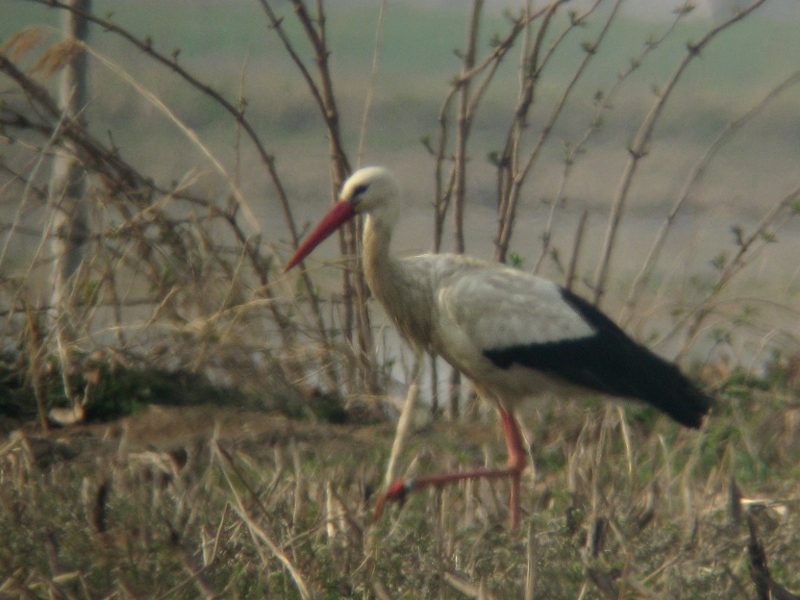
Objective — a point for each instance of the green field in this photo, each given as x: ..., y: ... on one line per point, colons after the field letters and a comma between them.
x: 417, y: 61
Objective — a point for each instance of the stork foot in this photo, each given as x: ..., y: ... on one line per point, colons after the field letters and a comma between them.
x: 399, y: 490
x: 396, y: 492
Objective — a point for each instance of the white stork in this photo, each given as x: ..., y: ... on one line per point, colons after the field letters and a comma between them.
x: 513, y: 334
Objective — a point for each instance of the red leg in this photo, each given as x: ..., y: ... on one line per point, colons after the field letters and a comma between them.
x: 516, y: 461
x: 514, y: 467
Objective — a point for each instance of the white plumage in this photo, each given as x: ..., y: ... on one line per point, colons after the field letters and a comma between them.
x: 513, y: 334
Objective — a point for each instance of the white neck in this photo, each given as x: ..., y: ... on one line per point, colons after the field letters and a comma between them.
x: 401, y: 292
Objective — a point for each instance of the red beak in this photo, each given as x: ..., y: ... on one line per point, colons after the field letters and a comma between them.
x: 339, y: 214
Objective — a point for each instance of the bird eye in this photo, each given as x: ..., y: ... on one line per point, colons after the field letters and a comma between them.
x: 360, y: 190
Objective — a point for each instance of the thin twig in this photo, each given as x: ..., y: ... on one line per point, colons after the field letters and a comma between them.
x: 640, y: 147
x: 604, y: 104
x: 692, y: 181
x: 515, y: 169
x: 373, y: 78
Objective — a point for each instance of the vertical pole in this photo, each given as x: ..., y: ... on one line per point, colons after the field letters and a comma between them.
x: 69, y: 229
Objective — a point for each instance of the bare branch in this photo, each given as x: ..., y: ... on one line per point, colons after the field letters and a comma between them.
x: 639, y: 147
x: 604, y: 103
x: 513, y: 170
x: 692, y: 181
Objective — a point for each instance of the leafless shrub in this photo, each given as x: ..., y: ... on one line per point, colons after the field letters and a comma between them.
x: 162, y: 263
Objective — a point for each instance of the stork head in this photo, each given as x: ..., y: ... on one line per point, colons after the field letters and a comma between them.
x: 371, y: 190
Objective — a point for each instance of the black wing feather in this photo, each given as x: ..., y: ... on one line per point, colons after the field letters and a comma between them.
x: 611, y: 363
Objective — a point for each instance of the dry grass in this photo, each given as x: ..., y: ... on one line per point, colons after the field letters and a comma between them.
x: 214, y: 503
